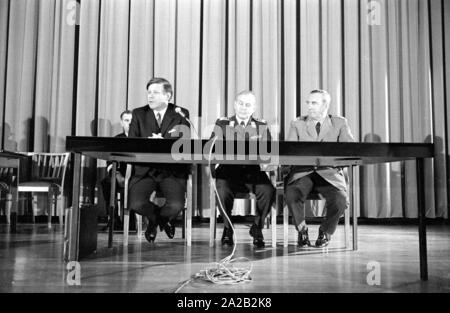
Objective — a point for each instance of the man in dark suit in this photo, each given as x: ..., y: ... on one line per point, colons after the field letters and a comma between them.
x: 157, y: 120
x: 125, y: 120
x: 328, y: 181
x: 231, y: 179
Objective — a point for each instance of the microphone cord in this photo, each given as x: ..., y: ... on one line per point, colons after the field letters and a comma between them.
x: 179, y: 111
x: 192, y: 125
x: 223, y: 272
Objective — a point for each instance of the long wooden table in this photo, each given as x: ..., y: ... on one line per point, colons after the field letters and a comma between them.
x: 142, y: 150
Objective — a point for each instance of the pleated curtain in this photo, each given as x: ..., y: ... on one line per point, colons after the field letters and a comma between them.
x: 71, y: 67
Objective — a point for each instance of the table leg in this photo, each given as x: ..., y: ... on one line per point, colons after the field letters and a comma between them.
x: 422, y: 222
x: 354, y: 211
x: 74, y: 225
x: 112, y: 201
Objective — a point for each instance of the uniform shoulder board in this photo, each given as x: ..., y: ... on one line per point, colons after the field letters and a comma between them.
x: 260, y: 120
x: 336, y: 117
x: 223, y: 121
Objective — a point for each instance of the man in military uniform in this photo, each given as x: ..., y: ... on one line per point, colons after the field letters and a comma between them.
x: 328, y: 181
x: 231, y: 179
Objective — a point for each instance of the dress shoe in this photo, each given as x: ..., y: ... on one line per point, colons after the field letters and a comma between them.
x: 258, y: 238
x: 323, y: 239
x: 150, y: 232
x: 227, y: 236
x: 303, y: 238
x: 169, y: 228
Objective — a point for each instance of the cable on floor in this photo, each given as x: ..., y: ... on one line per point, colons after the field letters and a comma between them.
x: 226, y: 271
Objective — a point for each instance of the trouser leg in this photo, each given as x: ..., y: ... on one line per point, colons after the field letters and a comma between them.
x: 174, y: 190
x: 336, y: 201
x: 226, y: 196
x: 295, y: 195
x: 265, y: 196
x: 139, y: 194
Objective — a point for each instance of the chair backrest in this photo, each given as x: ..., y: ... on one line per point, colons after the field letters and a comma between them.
x: 49, y: 167
x: 6, y: 174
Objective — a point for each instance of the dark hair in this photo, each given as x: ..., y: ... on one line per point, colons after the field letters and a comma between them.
x: 124, y: 112
x: 159, y: 80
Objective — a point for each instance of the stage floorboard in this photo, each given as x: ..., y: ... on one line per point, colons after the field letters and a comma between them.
x: 31, y: 261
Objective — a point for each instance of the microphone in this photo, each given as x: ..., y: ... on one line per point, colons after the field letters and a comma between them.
x: 179, y: 111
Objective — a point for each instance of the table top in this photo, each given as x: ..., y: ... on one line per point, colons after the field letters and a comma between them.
x: 197, y: 151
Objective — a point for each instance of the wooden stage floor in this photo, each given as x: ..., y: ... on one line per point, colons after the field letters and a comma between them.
x: 30, y: 261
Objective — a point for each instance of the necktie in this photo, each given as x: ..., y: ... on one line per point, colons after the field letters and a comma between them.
x: 318, y: 128
x: 243, y: 124
x: 158, y: 119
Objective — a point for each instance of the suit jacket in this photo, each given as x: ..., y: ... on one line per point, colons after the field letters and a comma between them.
x: 255, y: 129
x: 333, y: 128
x: 144, y: 124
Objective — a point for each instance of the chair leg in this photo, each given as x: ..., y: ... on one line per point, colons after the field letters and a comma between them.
x: 138, y: 225
x: 183, y: 228
x: 119, y: 205
x: 61, y: 208
x: 49, y: 208
x: 188, y: 214
x: 8, y: 206
x: 212, y: 217
x: 189, y: 227
x: 347, y: 228
x: 34, y: 208
x: 274, y: 225
x: 126, y: 226
x: 285, y: 225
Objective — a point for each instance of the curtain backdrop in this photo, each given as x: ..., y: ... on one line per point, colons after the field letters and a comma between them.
x: 71, y: 67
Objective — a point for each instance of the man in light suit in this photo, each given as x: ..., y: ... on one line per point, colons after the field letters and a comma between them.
x: 328, y: 181
x: 159, y: 120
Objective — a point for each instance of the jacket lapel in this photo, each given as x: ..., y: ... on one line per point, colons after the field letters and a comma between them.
x: 168, y: 118
x: 311, y: 129
x: 151, y: 120
x: 324, y: 128
x: 233, y: 121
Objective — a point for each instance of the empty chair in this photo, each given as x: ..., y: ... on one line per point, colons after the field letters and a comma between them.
x: 48, y: 171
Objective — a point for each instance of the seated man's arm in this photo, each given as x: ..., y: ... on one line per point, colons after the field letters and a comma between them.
x: 134, y: 126
x: 345, y: 134
x: 292, y: 136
